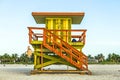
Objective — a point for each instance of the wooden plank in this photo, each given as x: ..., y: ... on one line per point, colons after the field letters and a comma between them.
x: 60, y: 72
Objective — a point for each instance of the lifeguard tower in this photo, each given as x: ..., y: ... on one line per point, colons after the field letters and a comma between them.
x: 57, y: 42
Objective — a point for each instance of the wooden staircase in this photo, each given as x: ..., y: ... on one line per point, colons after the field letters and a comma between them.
x: 64, y: 50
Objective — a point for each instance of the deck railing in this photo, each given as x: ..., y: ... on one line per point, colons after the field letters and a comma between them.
x: 36, y: 33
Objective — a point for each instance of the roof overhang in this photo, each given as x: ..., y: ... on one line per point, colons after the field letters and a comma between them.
x: 41, y: 16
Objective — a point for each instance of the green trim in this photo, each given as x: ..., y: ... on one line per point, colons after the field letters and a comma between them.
x: 36, y: 42
x: 76, y: 43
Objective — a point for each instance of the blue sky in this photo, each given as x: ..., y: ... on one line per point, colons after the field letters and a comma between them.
x: 102, y: 21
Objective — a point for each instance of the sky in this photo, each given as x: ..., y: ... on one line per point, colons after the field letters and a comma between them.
x: 102, y: 21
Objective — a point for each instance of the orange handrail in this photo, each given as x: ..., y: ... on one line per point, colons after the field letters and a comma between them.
x: 32, y: 34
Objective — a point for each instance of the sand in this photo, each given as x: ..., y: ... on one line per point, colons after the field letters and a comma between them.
x: 22, y: 72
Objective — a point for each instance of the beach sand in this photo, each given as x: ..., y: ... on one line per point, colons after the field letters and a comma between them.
x: 22, y: 72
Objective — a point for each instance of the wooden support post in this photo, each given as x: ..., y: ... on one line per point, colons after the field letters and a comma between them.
x: 41, y: 57
x: 35, y: 58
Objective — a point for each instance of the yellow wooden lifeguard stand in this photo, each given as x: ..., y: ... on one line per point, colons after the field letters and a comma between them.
x: 57, y: 42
